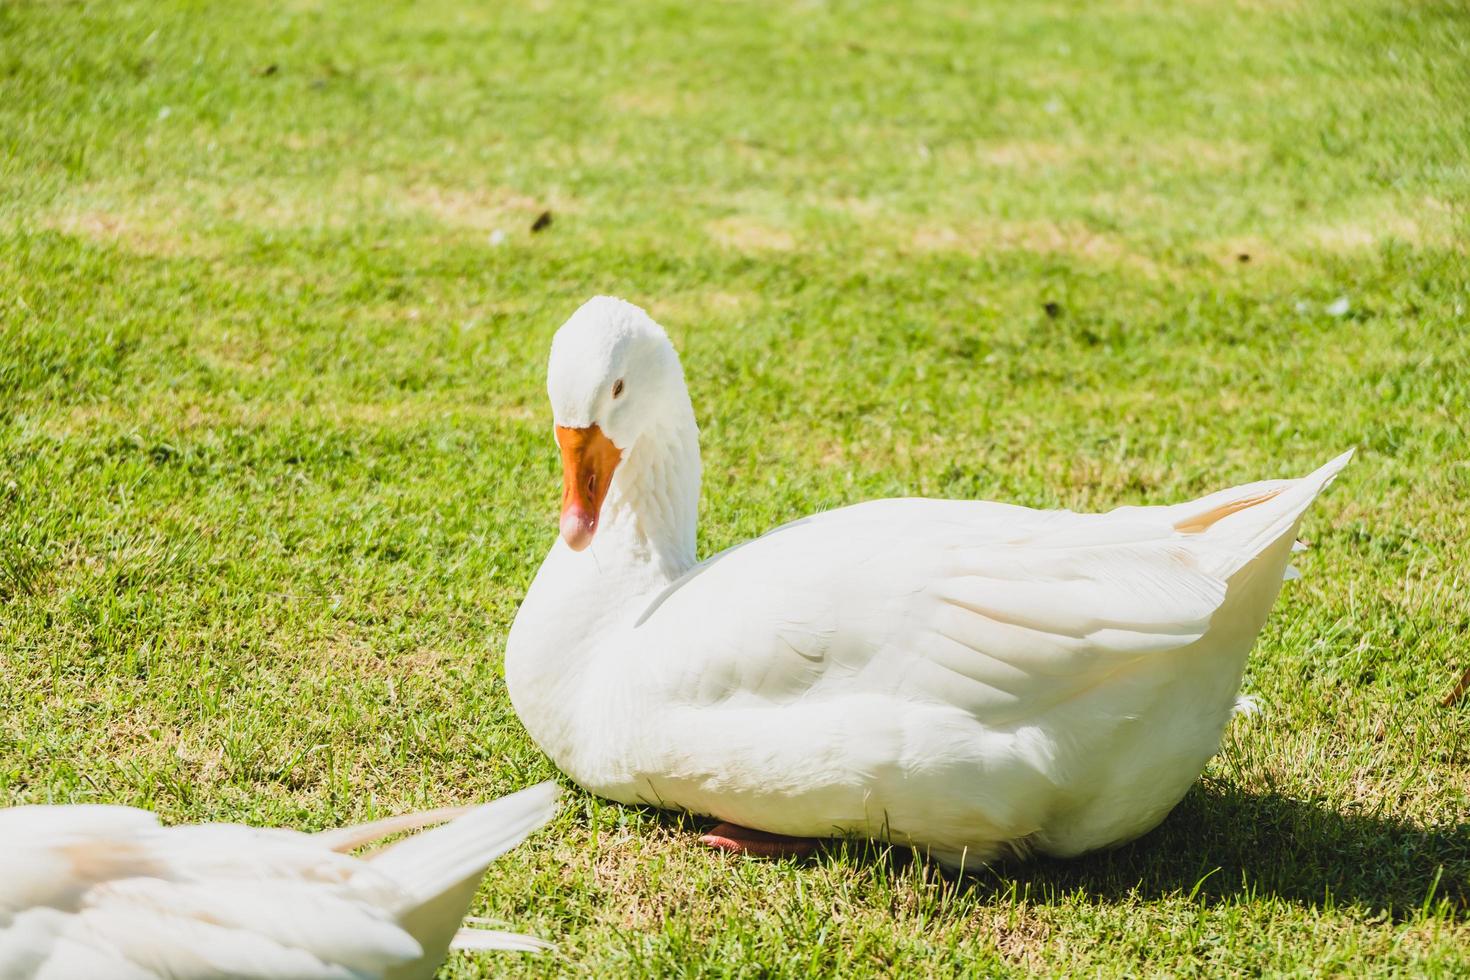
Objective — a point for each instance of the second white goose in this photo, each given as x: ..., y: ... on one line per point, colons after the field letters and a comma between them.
x: 104, y: 891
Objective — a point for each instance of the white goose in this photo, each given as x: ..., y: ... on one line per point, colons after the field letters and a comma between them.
x: 104, y: 891
x: 968, y: 678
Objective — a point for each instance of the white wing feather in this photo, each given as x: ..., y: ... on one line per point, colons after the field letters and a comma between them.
x: 983, y: 613
x: 998, y: 610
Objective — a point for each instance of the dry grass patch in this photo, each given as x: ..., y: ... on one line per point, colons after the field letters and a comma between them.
x: 746, y: 234
x: 135, y: 230
x: 1039, y: 237
x: 1360, y: 235
x: 645, y: 102
x: 1018, y: 934
x: 1261, y: 6
x: 1014, y: 154
x: 195, y: 413
x: 177, y: 223
x: 237, y: 354
x: 647, y: 872
x: 481, y: 208
x: 1243, y: 251
x: 862, y: 208
x: 171, y: 412
x: 358, y: 657
x: 688, y: 309
x: 280, y: 206
x: 1427, y: 224
x: 1190, y: 152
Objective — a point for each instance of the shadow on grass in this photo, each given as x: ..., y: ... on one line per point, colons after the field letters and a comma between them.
x: 1221, y: 844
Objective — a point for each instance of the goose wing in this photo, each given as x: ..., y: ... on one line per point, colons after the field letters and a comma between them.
x: 995, y: 609
x: 991, y: 608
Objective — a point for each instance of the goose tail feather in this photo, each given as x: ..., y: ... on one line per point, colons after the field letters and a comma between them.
x: 439, y: 871
x: 1246, y: 521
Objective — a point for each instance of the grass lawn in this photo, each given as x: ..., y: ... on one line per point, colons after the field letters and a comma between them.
x: 276, y: 463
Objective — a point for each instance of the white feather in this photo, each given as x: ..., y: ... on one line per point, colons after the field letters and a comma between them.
x: 493, y: 939
x: 1247, y: 706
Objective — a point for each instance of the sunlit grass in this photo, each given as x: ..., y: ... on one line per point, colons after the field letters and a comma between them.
x: 275, y: 465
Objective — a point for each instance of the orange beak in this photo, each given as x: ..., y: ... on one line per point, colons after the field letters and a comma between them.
x: 588, y: 459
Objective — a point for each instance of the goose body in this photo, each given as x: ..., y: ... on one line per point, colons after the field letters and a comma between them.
x: 964, y: 677
x: 105, y: 891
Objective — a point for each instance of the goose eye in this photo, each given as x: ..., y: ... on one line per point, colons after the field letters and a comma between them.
x: 617, y: 387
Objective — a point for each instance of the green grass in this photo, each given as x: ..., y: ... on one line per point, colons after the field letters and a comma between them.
x: 276, y: 468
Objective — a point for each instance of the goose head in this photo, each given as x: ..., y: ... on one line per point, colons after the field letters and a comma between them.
x: 613, y: 379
